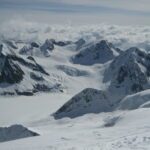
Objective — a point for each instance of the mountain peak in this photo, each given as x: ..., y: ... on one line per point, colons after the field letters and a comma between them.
x: 87, y: 101
x: 10, y: 72
x: 128, y: 73
x: 103, y: 44
x: 99, y: 52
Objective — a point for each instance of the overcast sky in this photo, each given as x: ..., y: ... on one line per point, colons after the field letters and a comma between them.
x: 109, y: 11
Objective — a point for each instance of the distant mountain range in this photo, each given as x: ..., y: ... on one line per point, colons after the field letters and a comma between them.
x: 126, y: 72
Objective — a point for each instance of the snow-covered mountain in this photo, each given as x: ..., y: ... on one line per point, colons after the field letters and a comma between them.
x: 23, y: 76
x: 128, y: 73
x: 97, y: 52
x: 35, y: 49
x: 42, y: 49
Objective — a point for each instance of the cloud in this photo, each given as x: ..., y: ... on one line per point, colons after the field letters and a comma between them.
x: 122, y: 36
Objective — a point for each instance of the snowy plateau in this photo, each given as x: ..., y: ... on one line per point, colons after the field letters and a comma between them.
x: 70, y: 87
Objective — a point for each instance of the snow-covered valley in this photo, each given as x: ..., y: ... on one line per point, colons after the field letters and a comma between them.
x: 83, y: 87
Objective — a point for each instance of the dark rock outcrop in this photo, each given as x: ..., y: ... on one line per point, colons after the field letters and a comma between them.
x: 36, y: 77
x: 61, y: 43
x: 34, y: 44
x: 15, y: 132
x: 26, y: 50
x: 34, y: 65
x: 87, y: 101
x: 10, y: 72
x: 47, y: 47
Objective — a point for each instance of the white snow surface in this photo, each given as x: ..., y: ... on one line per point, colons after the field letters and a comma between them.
x: 117, y: 130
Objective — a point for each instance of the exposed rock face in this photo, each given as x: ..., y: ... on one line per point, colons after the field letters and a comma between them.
x: 36, y: 77
x: 32, y: 65
x: 87, y: 101
x: 34, y: 44
x: 99, y: 52
x: 61, y: 43
x: 15, y: 132
x: 128, y: 73
x: 25, y: 93
x: 1, y: 48
x: 79, y: 43
x: 27, y: 73
x: 26, y: 50
x: 10, y: 72
x: 47, y: 47
x: 22, y: 76
x: 45, y: 87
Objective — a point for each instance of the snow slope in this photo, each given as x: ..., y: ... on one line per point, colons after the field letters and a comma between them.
x: 130, y: 131
x: 138, y: 100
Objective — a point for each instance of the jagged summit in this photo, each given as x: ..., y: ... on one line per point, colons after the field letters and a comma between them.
x: 98, y: 52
